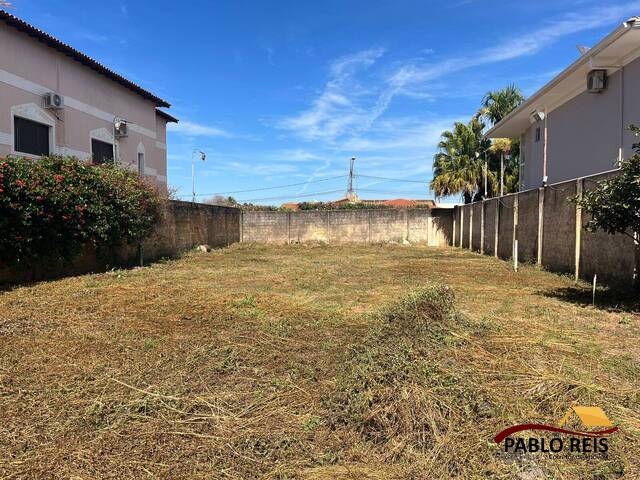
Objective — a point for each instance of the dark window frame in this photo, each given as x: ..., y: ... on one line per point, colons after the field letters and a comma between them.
x: 101, y: 144
x: 538, y: 134
x: 36, y: 143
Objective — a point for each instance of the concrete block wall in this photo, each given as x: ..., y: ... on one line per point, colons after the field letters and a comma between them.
x: 432, y: 227
x: 182, y: 226
x: 559, y: 228
x: 505, y: 226
x: 489, y: 241
x: 476, y: 228
x: 549, y: 231
x: 527, y: 231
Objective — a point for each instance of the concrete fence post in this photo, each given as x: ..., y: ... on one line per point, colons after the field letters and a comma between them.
x: 514, y: 242
x: 369, y: 226
x: 541, y: 192
x: 455, y: 224
x: 241, y: 226
x: 328, y: 226
x: 406, y: 214
x: 471, y: 226
x: 482, y: 228
x: 289, y: 227
x: 461, y: 224
x: 497, y: 229
x: 579, y: 188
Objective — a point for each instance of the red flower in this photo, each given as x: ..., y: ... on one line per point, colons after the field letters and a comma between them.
x: 59, y: 178
x: 21, y: 183
x: 66, y: 218
x: 39, y: 198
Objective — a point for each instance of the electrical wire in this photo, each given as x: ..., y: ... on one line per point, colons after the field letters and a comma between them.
x: 267, y: 188
x: 290, y: 197
x: 393, y: 179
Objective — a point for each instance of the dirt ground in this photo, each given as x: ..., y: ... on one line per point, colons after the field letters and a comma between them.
x: 221, y: 365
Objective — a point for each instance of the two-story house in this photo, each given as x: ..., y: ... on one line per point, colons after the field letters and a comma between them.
x: 577, y: 124
x: 57, y: 100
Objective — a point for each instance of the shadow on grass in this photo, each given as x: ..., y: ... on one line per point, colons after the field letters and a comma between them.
x: 610, y: 299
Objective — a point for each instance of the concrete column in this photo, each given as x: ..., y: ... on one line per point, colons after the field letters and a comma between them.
x: 471, y: 227
x: 579, y: 188
x: 461, y: 224
x: 406, y: 214
x: 455, y: 224
x: 226, y: 227
x: 541, y: 192
x: 482, y: 228
x: 289, y: 227
x: 497, y: 229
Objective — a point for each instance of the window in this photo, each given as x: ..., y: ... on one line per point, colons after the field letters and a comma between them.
x: 141, y: 163
x: 30, y: 137
x: 102, y: 151
x: 537, y: 134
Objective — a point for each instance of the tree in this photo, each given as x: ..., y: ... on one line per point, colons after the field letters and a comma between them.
x: 614, y: 205
x: 496, y: 105
x: 222, y: 201
x: 457, y: 167
x: 499, y: 103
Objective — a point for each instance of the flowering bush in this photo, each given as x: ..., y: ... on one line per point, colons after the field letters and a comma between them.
x: 53, y: 207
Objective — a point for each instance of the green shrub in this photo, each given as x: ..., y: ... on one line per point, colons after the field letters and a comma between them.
x: 51, y: 208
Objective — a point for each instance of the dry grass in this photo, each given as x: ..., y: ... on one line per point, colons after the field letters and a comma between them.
x: 241, y: 364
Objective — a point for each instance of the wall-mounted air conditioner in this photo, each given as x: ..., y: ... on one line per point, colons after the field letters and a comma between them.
x: 596, y: 81
x: 53, y: 101
x: 120, y: 128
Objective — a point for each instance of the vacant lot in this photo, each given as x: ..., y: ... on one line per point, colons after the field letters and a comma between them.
x: 240, y: 364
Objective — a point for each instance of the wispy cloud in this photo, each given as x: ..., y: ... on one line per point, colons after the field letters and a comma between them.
x: 193, y: 129
x: 345, y: 109
x: 336, y: 110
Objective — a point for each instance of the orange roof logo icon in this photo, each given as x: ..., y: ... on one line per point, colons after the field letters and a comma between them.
x: 589, y: 416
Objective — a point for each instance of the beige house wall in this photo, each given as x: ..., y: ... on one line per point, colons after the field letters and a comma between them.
x: 29, y: 69
x: 586, y: 132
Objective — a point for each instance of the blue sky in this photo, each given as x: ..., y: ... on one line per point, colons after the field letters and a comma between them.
x: 285, y: 92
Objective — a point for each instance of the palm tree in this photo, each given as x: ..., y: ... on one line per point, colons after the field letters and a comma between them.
x: 498, y: 104
x: 457, y: 167
x: 495, y: 106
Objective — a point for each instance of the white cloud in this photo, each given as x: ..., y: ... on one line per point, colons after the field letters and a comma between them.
x: 193, y: 129
x: 336, y: 110
x: 346, y: 109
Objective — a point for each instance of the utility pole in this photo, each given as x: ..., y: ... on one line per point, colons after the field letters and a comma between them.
x: 203, y: 156
x: 350, y: 194
x: 501, y: 173
x: 485, y: 175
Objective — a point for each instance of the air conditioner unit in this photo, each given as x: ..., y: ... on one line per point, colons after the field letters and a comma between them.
x: 120, y: 128
x: 53, y: 101
x: 596, y: 81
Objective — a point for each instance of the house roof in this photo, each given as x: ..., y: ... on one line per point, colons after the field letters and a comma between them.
x: 71, y: 52
x: 166, y: 116
x: 615, y: 50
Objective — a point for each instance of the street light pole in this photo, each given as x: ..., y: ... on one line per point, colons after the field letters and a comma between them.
x: 501, y: 174
x: 485, y: 175
x: 203, y: 156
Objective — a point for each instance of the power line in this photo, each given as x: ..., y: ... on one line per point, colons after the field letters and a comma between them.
x: 290, y: 197
x: 393, y: 192
x: 393, y: 179
x: 270, y: 188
